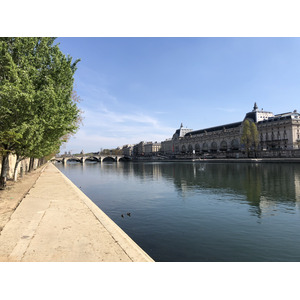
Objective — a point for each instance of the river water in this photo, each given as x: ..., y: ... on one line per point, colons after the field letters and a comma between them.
x: 192, y: 211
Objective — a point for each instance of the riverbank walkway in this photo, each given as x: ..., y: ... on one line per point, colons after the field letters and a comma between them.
x: 56, y: 222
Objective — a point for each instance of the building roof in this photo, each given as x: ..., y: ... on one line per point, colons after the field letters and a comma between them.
x: 212, y: 129
x: 250, y: 115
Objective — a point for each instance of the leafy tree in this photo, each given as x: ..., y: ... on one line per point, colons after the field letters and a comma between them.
x: 246, y: 136
x: 249, y: 136
x: 254, y: 136
x: 36, y: 104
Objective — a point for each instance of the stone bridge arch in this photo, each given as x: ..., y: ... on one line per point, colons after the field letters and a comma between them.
x: 92, y: 158
x: 82, y: 159
x: 112, y: 158
x: 72, y: 158
x: 108, y: 159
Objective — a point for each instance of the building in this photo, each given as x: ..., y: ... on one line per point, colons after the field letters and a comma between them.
x: 139, y: 149
x: 280, y: 132
x: 127, y: 150
x: 276, y: 133
x: 167, y: 147
x: 152, y: 149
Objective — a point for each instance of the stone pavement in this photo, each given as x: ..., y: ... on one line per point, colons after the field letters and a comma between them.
x: 56, y: 222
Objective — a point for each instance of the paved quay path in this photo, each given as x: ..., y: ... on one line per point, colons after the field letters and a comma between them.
x: 56, y: 222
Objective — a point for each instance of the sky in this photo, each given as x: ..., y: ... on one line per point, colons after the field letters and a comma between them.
x: 142, y: 88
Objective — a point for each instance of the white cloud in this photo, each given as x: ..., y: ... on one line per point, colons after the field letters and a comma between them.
x: 103, y: 128
x: 103, y: 117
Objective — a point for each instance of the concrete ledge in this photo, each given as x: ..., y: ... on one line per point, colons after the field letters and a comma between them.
x: 126, y: 243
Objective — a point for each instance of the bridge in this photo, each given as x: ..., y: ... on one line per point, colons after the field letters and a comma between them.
x: 95, y: 158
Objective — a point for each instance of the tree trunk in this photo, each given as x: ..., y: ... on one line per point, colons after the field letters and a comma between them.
x: 31, y: 162
x: 4, y: 172
x: 16, y: 167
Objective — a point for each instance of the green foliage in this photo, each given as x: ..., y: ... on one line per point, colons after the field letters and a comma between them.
x: 37, y: 110
x: 36, y: 85
x: 249, y: 136
x: 246, y: 135
x: 254, y: 135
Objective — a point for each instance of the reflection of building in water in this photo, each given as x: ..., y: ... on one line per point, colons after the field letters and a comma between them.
x: 266, y: 205
x: 276, y: 132
x: 147, y: 170
x: 297, y: 189
x: 264, y: 187
x: 279, y: 188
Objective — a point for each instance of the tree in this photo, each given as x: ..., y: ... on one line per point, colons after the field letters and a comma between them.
x: 36, y: 104
x: 249, y: 136
x: 254, y: 136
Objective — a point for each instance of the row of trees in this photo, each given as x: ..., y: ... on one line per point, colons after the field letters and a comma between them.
x: 38, y: 108
x: 116, y: 151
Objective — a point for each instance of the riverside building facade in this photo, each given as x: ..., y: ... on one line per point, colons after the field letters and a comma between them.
x: 151, y: 149
x: 279, y: 135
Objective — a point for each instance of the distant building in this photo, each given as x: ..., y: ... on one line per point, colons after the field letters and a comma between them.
x: 127, y: 150
x: 139, y: 149
x: 167, y: 147
x: 280, y: 132
x: 276, y: 132
x: 181, y: 132
x: 152, y: 148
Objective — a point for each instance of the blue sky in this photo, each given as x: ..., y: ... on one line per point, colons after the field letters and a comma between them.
x: 141, y: 89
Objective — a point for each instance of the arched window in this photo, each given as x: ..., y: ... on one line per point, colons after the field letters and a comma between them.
x: 197, y: 148
x: 235, y: 144
x: 223, y: 146
x: 213, y: 147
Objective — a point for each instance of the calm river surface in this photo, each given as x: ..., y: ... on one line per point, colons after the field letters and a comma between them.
x: 192, y: 211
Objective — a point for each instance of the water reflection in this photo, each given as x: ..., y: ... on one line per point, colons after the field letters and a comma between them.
x: 200, y: 211
x: 263, y: 186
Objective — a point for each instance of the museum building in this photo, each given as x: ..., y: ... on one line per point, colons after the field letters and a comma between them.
x: 276, y: 133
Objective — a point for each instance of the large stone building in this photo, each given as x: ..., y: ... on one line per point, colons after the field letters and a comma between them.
x: 276, y: 133
x: 152, y: 149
